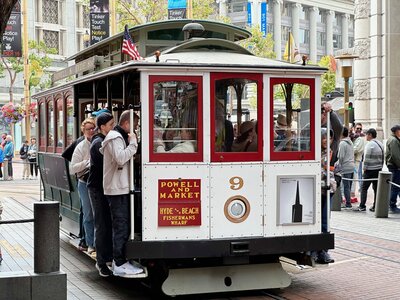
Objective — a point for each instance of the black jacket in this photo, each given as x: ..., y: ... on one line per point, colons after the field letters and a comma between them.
x: 95, y: 179
x: 69, y: 151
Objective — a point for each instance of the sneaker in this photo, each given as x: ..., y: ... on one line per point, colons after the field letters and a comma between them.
x: 347, y: 206
x: 372, y: 209
x: 324, y: 258
x: 358, y: 208
x: 395, y: 210
x: 126, y: 270
x: 82, y: 246
x: 104, y: 271
x: 91, y: 250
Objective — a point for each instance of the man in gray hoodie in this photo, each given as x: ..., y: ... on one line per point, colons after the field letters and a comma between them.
x: 118, y: 148
x: 346, y: 163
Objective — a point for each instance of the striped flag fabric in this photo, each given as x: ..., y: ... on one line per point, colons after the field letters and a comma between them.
x: 291, y: 53
x: 129, y: 47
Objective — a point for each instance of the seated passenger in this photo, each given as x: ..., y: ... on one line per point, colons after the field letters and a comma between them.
x: 247, y: 140
x: 187, y: 144
x: 168, y: 137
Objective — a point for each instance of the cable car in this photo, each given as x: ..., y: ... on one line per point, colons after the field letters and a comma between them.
x: 215, y: 208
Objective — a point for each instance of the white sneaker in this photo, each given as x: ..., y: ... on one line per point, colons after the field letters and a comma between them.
x: 91, y: 250
x: 126, y: 270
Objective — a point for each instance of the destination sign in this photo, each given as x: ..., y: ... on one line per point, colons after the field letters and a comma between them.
x: 89, y: 64
x: 179, y: 202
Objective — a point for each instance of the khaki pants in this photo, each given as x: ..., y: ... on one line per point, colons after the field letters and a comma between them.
x: 25, y: 171
x: 5, y: 170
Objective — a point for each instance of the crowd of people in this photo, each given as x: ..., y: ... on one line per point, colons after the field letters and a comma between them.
x: 27, y: 154
x: 100, y: 159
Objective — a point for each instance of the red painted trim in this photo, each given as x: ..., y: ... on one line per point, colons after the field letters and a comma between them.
x: 295, y: 155
x: 48, y: 100
x: 41, y: 140
x: 238, y: 156
x: 176, y: 157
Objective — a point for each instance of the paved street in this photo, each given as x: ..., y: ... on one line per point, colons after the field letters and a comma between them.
x: 367, y: 258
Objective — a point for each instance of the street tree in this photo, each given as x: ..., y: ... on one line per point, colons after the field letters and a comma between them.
x: 259, y: 45
x: 39, y: 60
x: 6, y: 7
x: 328, y: 79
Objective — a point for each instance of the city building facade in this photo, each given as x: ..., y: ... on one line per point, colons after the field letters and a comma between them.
x: 319, y: 27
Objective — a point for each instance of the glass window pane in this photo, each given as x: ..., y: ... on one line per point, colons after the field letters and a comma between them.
x: 42, y: 122
x: 291, y: 117
x: 235, y: 115
x: 50, y: 118
x: 70, y: 120
x: 175, y: 117
x: 60, y: 123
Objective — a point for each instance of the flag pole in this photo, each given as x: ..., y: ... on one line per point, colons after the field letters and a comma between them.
x: 132, y: 176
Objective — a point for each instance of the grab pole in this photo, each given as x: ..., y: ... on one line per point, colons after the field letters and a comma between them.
x: 132, y: 176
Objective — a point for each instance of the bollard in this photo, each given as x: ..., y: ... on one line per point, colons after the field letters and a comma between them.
x: 46, y: 241
x: 336, y: 204
x: 5, y: 170
x: 382, y: 195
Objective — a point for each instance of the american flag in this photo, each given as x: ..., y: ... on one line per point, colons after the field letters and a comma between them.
x: 129, y: 47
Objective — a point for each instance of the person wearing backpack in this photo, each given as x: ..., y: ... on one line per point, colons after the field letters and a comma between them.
x: 23, y: 154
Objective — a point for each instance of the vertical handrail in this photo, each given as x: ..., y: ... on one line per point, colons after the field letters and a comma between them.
x: 132, y: 176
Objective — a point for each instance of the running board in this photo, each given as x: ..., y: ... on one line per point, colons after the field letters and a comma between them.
x: 225, y: 279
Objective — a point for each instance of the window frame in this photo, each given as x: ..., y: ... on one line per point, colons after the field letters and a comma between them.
x: 292, y: 155
x: 237, y: 156
x: 48, y: 147
x: 176, y: 157
x: 59, y: 98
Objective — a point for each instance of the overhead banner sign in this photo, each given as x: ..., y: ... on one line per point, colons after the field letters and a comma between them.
x: 176, y: 9
x: 12, y: 42
x: 264, y: 18
x: 249, y: 14
x: 99, y: 20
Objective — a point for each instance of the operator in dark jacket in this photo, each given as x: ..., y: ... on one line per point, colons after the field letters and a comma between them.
x: 101, y: 209
x: 392, y: 159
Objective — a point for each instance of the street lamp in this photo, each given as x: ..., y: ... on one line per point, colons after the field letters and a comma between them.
x: 86, y: 39
x: 346, y: 61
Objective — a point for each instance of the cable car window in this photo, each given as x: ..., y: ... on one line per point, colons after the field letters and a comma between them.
x: 42, y: 128
x: 50, y: 124
x: 60, y: 123
x: 175, y: 116
x: 70, y: 119
x: 292, y: 120
x: 237, y: 111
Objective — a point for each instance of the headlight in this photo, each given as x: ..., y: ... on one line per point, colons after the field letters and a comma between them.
x: 237, y: 209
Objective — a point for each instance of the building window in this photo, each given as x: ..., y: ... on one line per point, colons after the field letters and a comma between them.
x: 321, y: 39
x: 287, y: 10
x: 304, y: 36
x: 351, y: 42
x: 86, y: 17
x: 51, y: 39
x: 306, y: 13
x: 322, y: 17
x: 337, y: 41
x: 50, y: 11
x: 237, y: 6
x: 285, y: 32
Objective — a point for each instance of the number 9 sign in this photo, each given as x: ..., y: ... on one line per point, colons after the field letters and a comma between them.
x: 236, y: 183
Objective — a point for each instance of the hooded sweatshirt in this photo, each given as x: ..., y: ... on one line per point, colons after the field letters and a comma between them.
x: 346, y: 156
x: 117, y: 154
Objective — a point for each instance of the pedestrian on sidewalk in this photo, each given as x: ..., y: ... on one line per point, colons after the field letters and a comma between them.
x: 32, y: 151
x: 392, y: 159
x: 1, y: 161
x: 359, y: 143
x: 8, y: 157
x: 101, y: 209
x: 346, y: 163
x: 23, y: 154
x: 372, y: 165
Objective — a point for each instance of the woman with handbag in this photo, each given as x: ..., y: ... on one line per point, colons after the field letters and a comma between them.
x: 32, y: 151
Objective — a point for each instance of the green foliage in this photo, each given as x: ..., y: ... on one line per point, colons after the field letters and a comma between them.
x: 202, y: 9
x: 39, y: 61
x: 328, y: 80
x: 258, y: 45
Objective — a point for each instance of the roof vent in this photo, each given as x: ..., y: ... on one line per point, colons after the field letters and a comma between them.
x: 192, y: 30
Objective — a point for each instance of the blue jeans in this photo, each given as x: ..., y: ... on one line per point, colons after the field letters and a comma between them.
x: 102, y: 223
x: 394, y: 189
x: 88, y: 221
x: 347, y: 187
x: 121, y: 226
